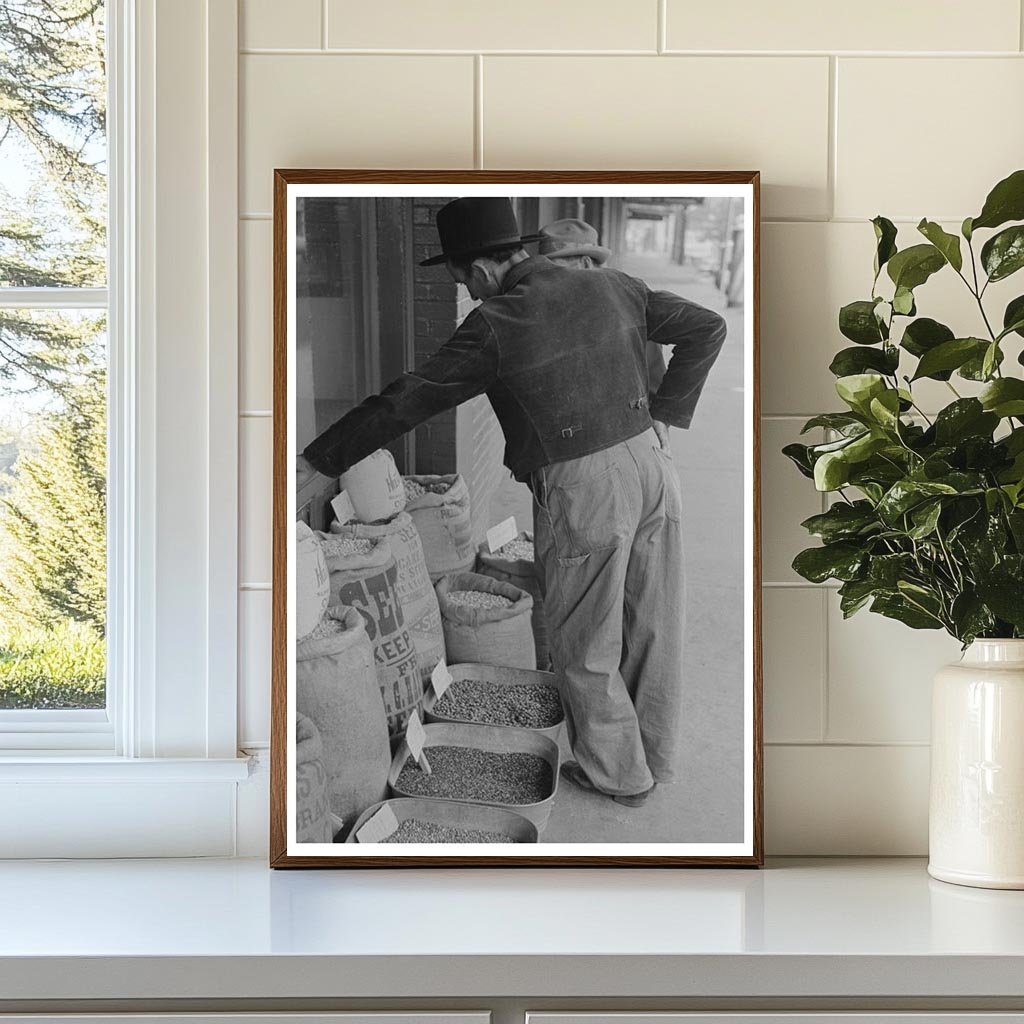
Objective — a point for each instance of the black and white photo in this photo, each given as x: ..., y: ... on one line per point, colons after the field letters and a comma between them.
x: 516, y: 566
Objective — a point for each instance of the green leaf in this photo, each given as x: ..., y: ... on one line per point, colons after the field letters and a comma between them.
x: 912, y: 267
x: 964, y: 418
x: 923, y: 335
x: 947, y: 244
x: 990, y: 360
x: 1005, y: 202
x: 885, y: 409
x: 970, y: 617
x: 887, y: 570
x: 1013, y: 317
x: 1005, y: 596
x: 897, y: 607
x: 906, y: 494
x: 950, y: 355
x: 855, y: 594
x: 1003, y: 254
x: 974, y: 368
x: 965, y: 229
x: 841, y: 421
x: 842, y: 521
x: 903, y: 302
x: 858, y: 389
x: 831, y: 471
x: 840, y: 561
x: 849, y: 361
x: 925, y: 518
x: 885, y: 237
x: 1004, y: 397
x: 857, y: 321
x: 799, y: 455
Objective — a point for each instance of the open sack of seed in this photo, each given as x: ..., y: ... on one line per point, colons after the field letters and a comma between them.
x: 415, y: 591
x: 514, y: 563
x: 312, y: 588
x: 374, y: 486
x: 364, y: 576
x: 439, y: 506
x: 312, y: 820
x: 486, y: 621
x: 336, y: 689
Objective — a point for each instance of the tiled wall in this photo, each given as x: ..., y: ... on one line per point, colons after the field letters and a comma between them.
x: 907, y: 109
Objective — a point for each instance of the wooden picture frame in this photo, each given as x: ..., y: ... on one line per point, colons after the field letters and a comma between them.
x: 396, y: 313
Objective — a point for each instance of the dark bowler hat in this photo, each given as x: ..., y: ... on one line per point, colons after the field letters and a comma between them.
x: 475, y: 226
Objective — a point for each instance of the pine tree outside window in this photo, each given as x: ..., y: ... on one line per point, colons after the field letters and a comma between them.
x: 53, y: 364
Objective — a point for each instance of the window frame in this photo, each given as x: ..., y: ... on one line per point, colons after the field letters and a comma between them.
x: 173, y: 433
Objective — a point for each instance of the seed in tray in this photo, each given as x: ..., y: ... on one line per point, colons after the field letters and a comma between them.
x: 412, y: 830
x: 476, y: 700
x: 465, y: 773
x: 518, y: 550
x: 478, y: 599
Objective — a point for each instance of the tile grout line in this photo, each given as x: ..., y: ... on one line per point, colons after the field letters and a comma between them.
x: 662, y: 42
x: 340, y: 51
x: 478, y: 111
x: 852, y: 744
x: 833, y: 134
x: 824, y: 724
x: 323, y: 24
x: 1020, y: 24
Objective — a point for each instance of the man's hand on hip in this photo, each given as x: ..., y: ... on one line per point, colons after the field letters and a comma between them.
x: 661, y: 429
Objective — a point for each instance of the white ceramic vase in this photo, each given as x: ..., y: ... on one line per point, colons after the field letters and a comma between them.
x: 976, y: 814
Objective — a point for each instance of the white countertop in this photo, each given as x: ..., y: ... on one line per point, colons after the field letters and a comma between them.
x: 234, y: 929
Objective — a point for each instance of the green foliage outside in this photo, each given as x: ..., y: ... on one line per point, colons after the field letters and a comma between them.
x: 927, y: 526
x: 52, y: 365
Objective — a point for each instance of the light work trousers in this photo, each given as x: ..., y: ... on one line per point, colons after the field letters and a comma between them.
x: 608, y: 533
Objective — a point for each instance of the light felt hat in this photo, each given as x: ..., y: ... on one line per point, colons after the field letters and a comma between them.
x: 570, y: 237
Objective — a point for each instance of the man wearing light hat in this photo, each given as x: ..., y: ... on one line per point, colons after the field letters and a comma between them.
x: 560, y: 355
x: 574, y: 243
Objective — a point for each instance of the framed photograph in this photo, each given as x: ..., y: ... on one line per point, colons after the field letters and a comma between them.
x: 516, y: 607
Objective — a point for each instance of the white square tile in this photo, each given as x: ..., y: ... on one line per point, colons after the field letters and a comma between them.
x: 868, y: 25
x: 964, y: 131
x: 255, y: 511
x: 254, y: 629
x: 793, y: 629
x: 846, y: 801
x: 655, y: 112
x: 787, y: 499
x: 470, y: 25
x: 255, y: 320
x: 351, y: 111
x: 269, y: 24
x: 880, y: 677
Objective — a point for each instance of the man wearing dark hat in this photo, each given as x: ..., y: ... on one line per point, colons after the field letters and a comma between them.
x: 560, y: 355
x: 575, y: 243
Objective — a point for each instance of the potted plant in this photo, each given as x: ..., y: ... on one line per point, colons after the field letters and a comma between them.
x: 927, y: 521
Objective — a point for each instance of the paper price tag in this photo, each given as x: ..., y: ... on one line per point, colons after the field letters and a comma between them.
x: 344, y: 510
x: 415, y: 738
x: 379, y: 827
x: 498, y: 536
x: 440, y: 679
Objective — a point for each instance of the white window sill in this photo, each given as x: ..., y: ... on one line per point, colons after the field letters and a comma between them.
x: 78, y: 767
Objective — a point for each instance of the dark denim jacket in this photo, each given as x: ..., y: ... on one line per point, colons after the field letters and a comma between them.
x: 561, y: 356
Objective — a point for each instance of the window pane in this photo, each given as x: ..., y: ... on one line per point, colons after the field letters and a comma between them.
x: 53, y: 150
x: 52, y: 509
